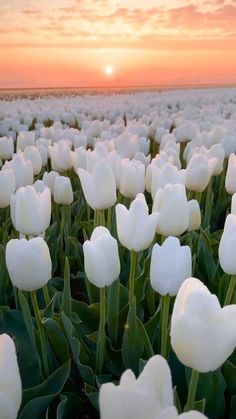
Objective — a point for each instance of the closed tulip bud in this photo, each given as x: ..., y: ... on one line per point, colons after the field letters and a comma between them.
x: 199, y: 171
x: 99, y: 188
x: 10, y: 381
x: 200, y: 327
x: 194, y: 215
x: 79, y: 158
x: 135, y: 227
x: 230, y: 180
x: 6, y: 148
x: 166, y: 277
x: 31, y: 153
x: 227, y: 246
x: 147, y: 396
x: 7, y: 187
x: 49, y: 179
x: 29, y: 263
x: 171, y: 223
x: 132, y: 178
x: 101, y: 258
x: 63, y: 193
x: 31, y: 210
x: 23, y: 170
x: 61, y: 155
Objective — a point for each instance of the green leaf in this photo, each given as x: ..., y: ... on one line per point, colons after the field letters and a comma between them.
x: 28, y: 323
x: 145, y: 339
x: 57, y: 340
x: 229, y: 372
x: 132, y: 347
x: 113, y: 294
x: 37, y: 399
x: 76, y: 349
x: 66, y: 296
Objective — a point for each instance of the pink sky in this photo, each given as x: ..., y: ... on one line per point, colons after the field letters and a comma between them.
x: 69, y: 42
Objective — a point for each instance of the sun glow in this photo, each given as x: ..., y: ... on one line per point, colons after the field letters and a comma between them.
x: 108, y: 70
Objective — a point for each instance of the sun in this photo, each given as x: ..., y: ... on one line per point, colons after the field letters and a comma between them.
x: 108, y: 70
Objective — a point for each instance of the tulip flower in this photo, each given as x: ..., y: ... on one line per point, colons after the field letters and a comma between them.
x: 61, y: 155
x: 6, y: 148
x: 7, y: 187
x: 135, y: 227
x: 28, y: 263
x: 227, y: 253
x: 10, y: 381
x: 200, y: 328
x: 166, y: 278
x: 199, y: 171
x: 22, y: 168
x: 49, y: 180
x: 132, y: 178
x: 230, y: 180
x: 147, y: 396
x: 31, y: 211
x: 101, y: 259
x: 136, y: 231
x: 99, y: 188
x: 172, y: 207
x: 31, y: 153
x: 25, y: 139
x: 194, y: 215
x: 102, y: 267
x: 167, y: 174
x: 62, y: 192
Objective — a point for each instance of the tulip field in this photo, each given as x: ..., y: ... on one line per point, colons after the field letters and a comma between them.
x: 118, y: 255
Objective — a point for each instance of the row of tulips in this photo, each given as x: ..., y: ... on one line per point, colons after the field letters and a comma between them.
x: 96, y: 251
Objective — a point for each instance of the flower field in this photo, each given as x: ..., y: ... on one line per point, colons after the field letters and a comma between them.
x: 118, y: 256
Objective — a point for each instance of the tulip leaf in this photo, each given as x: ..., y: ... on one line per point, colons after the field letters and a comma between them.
x: 66, y: 295
x: 38, y: 398
x: 145, y: 339
x: 200, y: 405
x: 132, y: 347
x: 232, y: 407
x: 229, y: 372
x: 86, y: 372
x: 113, y: 297
x: 28, y: 321
x: 57, y: 340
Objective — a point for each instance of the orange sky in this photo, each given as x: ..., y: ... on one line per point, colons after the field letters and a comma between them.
x: 65, y: 43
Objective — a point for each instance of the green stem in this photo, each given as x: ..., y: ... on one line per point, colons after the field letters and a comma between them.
x: 109, y: 218
x: 96, y: 218
x: 192, y: 390
x: 101, y: 345
x: 46, y: 295
x: 42, y: 336
x: 164, y: 324
x: 102, y: 218
x: 198, y: 197
x: 133, y: 263
x: 208, y: 205
x: 230, y: 291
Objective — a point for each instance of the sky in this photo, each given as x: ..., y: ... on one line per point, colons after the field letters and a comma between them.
x: 68, y: 43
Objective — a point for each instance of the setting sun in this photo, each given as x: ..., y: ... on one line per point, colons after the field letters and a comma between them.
x: 108, y: 70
